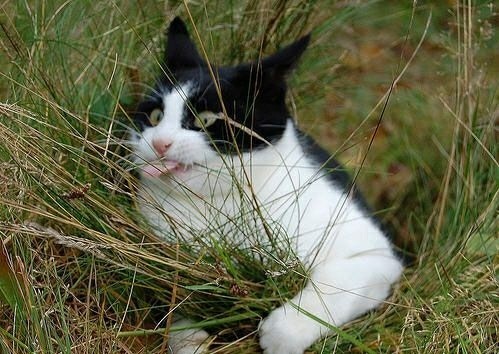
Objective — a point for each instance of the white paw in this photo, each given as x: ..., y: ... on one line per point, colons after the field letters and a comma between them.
x: 190, y: 349
x: 286, y: 331
x: 188, y: 341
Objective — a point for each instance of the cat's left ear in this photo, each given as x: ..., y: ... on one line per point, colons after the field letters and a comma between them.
x: 181, y: 51
x: 286, y: 59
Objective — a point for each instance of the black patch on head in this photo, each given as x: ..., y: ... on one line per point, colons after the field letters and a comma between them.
x: 141, y: 115
x: 253, y: 103
x: 252, y: 94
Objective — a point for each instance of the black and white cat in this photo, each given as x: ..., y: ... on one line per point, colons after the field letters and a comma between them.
x: 213, y: 140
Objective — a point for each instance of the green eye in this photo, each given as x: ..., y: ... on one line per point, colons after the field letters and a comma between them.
x: 205, y: 119
x: 155, y: 116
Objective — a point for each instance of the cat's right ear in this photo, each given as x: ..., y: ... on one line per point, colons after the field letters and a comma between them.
x: 181, y: 52
x: 281, y: 63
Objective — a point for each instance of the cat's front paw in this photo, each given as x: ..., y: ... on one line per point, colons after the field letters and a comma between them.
x: 286, y: 331
x: 188, y: 341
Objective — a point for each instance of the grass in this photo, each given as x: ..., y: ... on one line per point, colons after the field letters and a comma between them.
x: 80, y: 271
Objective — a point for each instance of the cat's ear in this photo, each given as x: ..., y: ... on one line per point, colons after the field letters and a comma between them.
x: 285, y: 60
x: 181, y: 51
x: 268, y: 76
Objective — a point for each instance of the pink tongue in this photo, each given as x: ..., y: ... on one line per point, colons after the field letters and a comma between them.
x: 158, y: 170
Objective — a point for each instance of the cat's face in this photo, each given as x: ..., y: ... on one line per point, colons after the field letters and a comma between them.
x: 190, y: 119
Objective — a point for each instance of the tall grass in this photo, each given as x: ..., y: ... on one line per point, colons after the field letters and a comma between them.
x: 80, y: 271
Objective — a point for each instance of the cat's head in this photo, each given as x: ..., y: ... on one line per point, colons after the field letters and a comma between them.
x: 198, y: 111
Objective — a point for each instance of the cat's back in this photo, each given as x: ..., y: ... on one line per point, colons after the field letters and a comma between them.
x: 331, y: 169
x: 297, y: 165
x: 311, y: 196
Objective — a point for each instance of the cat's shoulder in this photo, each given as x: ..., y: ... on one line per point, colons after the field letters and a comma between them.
x: 333, y: 170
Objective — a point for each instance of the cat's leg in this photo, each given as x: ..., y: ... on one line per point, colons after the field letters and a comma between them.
x: 188, y: 341
x: 338, y: 291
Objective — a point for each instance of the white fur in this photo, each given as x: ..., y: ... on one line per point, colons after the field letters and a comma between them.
x: 353, y: 266
x: 188, y: 341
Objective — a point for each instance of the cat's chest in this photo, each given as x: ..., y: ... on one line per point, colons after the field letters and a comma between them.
x: 279, y: 189
x: 265, y: 188
x: 172, y: 208
x: 211, y: 202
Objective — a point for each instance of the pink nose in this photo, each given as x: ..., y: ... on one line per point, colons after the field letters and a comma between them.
x: 161, y: 145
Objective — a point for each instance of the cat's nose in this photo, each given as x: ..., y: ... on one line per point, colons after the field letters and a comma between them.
x: 161, y: 145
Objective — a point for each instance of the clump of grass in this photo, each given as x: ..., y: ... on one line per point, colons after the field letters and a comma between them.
x: 81, y: 271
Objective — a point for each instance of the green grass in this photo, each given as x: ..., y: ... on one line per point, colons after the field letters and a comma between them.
x: 80, y: 271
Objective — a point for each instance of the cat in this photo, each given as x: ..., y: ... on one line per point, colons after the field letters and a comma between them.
x: 204, y: 147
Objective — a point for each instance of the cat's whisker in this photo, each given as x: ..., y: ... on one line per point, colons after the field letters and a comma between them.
x: 116, y: 141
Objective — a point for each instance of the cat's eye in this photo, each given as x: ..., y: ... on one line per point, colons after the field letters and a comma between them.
x: 205, y: 119
x: 155, y: 117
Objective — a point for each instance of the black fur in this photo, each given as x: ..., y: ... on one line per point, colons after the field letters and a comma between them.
x: 334, y: 171
x: 253, y: 94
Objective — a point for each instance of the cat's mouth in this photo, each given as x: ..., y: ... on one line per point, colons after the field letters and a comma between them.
x: 159, y: 168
